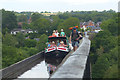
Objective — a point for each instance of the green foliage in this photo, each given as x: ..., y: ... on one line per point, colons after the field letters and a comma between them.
x: 20, y: 38
x: 8, y: 55
x: 9, y: 20
x: 36, y: 16
x: 110, y: 25
x: 20, y: 55
x: 104, y: 51
x: 113, y: 55
x: 92, y: 15
x: 65, y: 15
x: 33, y: 35
x: 9, y: 40
x: 100, y: 67
x: 11, y: 55
x: 26, y: 26
x: 30, y: 43
x: 70, y: 22
x: 55, y: 22
x: 112, y: 72
x: 22, y: 18
x: 32, y: 51
x: 41, y: 25
x: 42, y: 43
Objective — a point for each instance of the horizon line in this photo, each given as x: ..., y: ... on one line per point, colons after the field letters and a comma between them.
x: 57, y: 11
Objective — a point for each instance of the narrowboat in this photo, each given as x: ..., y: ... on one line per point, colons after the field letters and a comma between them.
x: 58, y: 47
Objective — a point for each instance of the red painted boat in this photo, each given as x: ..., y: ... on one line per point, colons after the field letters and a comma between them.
x: 57, y: 51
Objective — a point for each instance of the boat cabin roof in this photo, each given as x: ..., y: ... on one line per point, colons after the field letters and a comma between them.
x: 56, y: 38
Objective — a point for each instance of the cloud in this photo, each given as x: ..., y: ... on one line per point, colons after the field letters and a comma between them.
x: 58, y: 5
x: 82, y: 2
x: 55, y: 1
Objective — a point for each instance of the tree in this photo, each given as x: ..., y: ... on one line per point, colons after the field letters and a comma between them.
x: 110, y: 25
x: 55, y: 22
x: 9, y: 40
x: 36, y: 16
x: 42, y: 43
x: 104, y: 51
x: 41, y: 25
x: 70, y: 22
x: 8, y: 55
x: 9, y: 20
x: 22, y: 18
x: 33, y: 35
x: 32, y: 51
x: 30, y: 43
x: 101, y: 65
x: 20, y: 38
x: 65, y: 15
x: 112, y: 72
x: 20, y: 55
x: 25, y: 26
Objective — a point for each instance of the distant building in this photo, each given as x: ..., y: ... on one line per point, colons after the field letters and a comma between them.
x: 84, y: 25
x: 24, y: 31
x: 95, y: 29
x: 91, y: 25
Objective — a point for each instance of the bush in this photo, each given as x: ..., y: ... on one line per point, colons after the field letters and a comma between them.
x: 30, y: 43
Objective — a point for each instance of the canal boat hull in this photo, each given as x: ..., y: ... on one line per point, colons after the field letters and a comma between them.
x: 56, y: 52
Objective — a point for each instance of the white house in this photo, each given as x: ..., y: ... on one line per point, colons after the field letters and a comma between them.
x: 24, y: 31
x: 83, y: 25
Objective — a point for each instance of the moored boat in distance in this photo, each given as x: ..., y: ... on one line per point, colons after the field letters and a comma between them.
x: 57, y: 47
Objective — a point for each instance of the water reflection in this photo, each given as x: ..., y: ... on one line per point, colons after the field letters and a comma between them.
x: 38, y: 71
x: 52, y: 64
x: 43, y: 69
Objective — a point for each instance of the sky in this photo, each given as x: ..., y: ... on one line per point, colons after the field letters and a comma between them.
x: 58, y: 5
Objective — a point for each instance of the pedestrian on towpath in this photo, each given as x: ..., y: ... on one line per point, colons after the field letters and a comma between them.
x: 74, y: 37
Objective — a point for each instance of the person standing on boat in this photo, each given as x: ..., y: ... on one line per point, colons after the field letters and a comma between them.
x: 62, y: 33
x: 74, y: 37
x: 53, y: 35
x: 56, y: 33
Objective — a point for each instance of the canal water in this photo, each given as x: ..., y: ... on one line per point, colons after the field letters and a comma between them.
x: 42, y: 70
